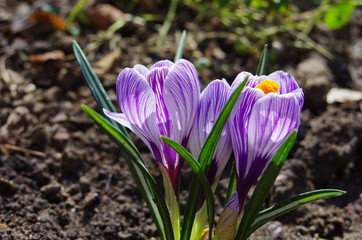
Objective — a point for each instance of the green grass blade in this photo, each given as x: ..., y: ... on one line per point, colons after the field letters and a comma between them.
x: 146, y: 183
x: 93, y: 82
x: 95, y: 85
x: 200, y: 175
x: 205, y: 157
x: 232, y: 184
x: 263, y: 63
x: 190, y: 209
x: 180, y: 47
x: 291, y: 204
x: 76, y: 10
x: 263, y: 187
x: 168, y: 22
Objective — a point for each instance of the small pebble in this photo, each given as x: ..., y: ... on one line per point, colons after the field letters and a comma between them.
x: 50, y: 189
x: 91, y: 199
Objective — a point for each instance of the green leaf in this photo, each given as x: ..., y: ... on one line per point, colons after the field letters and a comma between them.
x: 172, y: 202
x: 339, y: 14
x: 146, y: 183
x: 200, y: 175
x: 263, y: 63
x: 76, y: 10
x: 205, y: 157
x: 190, y: 209
x: 263, y: 187
x: 180, y: 47
x: 98, y: 92
x: 232, y: 184
x: 291, y: 204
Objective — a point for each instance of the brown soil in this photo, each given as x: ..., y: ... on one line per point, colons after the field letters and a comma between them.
x: 61, y: 178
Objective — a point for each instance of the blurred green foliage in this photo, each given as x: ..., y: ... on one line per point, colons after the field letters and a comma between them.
x: 339, y: 14
x: 248, y: 24
x: 259, y: 21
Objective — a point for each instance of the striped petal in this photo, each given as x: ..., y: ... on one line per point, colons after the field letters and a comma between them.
x: 285, y: 80
x: 141, y: 69
x: 138, y: 104
x: 162, y: 63
x: 272, y: 119
x: 212, y: 101
x: 238, y: 125
x: 118, y: 117
x: 155, y: 80
x: 181, y: 94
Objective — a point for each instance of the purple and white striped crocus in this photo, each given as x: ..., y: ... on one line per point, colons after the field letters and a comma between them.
x: 212, y: 100
x: 159, y: 101
x: 267, y: 111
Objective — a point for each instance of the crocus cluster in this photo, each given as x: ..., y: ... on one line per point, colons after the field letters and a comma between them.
x: 166, y: 100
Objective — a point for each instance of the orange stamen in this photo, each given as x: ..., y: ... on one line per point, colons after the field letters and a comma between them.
x: 268, y: 86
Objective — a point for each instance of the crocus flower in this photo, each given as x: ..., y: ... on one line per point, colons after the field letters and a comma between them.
x: 212, y: 101
x: 159, y: 101
x: 267, y: 111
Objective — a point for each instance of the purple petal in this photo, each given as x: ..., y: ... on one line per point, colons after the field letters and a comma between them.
x: 241, y: 77
x: 298, y: 93
x: 272, y: 119
x: 238, y: 121
x: 212, y: 101
x: 137, y: 102
x: 141, y: 69
x: 285, y: 81
x: 181, y: 94
x: 162, y: 63
x: 156, y: 80
x: 118, y: 117
x: 247, y: 97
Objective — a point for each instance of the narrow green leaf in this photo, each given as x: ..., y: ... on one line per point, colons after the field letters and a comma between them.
x: 201, y: 176
x: 168, y: 22
x: 76, y: 10
x: 205, y: 157
x: 263, y: 63
x: 190, y: 209
x: 263, y: 187
x: 146, y: 183
x: 171, y: 199
x: 95, y: 85
x: 180, y: 47
x: 291, y: 204
x: 232, y: 184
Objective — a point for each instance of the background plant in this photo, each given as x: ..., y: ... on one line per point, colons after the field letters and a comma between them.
x: 258, y: 21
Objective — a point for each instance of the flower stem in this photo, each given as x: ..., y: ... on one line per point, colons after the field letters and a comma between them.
x: 171, y: 202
